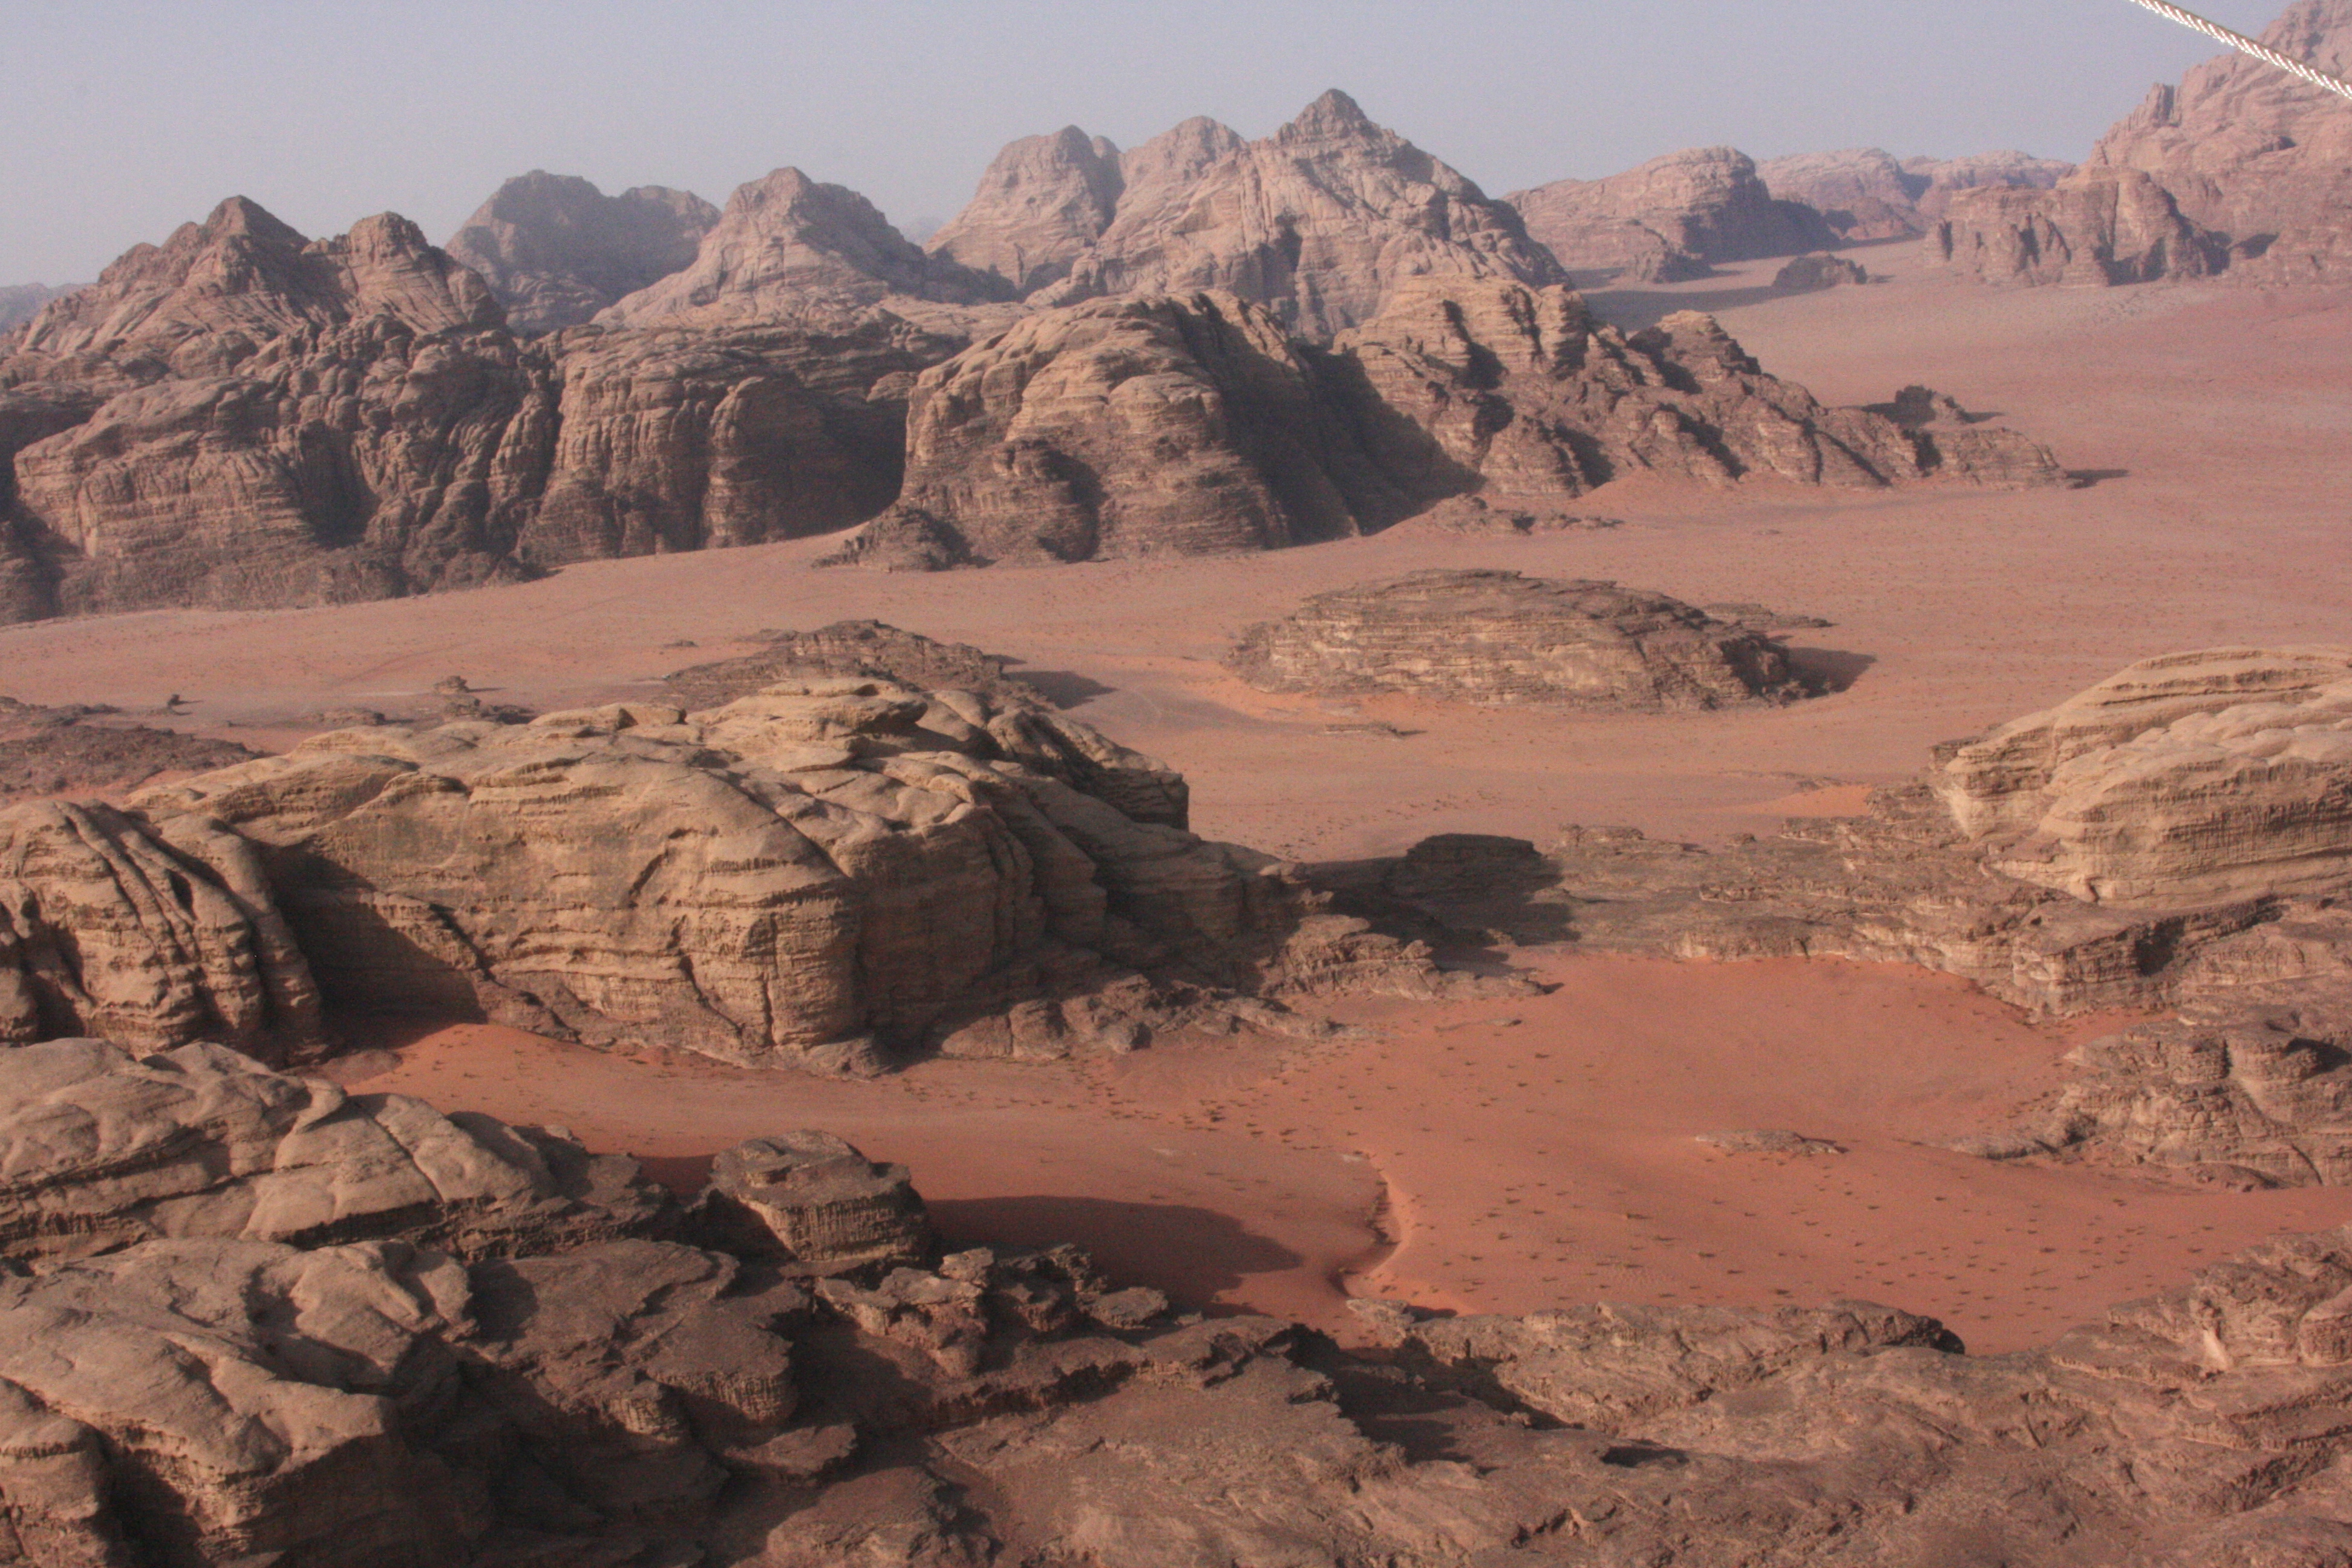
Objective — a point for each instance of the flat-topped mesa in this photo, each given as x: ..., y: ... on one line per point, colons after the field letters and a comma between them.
x: 1502, y: 639
x: 555, y: 249
x: 2187, y: 778
x: 790, y: 248
x: 1670, y: 218
x: 2240, y: 170
x: 1192, y: 424
x: 1315, y: 223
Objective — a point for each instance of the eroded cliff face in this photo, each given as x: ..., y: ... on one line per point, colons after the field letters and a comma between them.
x: 1864, y: 194
x: 1316, y: 223
x: 2239, y: 170
x: 1184, y: 425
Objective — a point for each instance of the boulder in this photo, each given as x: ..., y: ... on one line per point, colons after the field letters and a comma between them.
x: 812, y: 1201
x: 555, y: 250
x: 1497, y: 638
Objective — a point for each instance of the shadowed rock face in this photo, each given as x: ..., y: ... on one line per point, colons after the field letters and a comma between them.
x: 1315, y: 223
x: 555, y: 250
x: 1499, y: 638
x: 1669, y: 218
x: 1190, y: 425
x: 2240, y: 170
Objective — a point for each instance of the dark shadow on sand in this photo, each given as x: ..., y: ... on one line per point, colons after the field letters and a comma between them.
x: 1828, y: 669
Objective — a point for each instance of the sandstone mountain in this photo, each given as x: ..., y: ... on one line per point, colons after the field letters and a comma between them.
x: 1864, y: 194
x: 1041, y: 202
x: 788, y: 248
x: 243, y: 418
x: 1670, y: 218
x: 2239, y: 170
x: 256, y: 1317
x: 1316, y: 223
x: 555, y: 249
x: 1187, y: 424
x: 1503, y: 638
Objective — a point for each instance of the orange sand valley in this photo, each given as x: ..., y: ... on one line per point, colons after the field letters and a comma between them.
x: 1542, y: 1151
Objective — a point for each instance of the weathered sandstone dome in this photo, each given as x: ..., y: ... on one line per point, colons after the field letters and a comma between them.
x: 1500, y: 638
x: 555, y: 249
x: 2195, y: 776
x: 1670, y: 218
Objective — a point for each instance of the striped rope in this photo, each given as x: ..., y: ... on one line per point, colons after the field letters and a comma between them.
x: 2261, y: 51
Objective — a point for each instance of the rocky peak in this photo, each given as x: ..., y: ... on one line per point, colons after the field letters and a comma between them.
x: 1316, y: 221
x: 1043, y: 201
x: 787, y: 245
x: 1333, y: 115
x: 555, y: 249
x: 1671, y: 218
x: 216, y: 291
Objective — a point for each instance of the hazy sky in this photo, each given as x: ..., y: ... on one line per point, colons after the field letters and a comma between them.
x: 122, y: 120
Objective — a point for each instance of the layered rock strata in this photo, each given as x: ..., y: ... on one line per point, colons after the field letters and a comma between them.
x: 1499, y: 638
x: 2239, y: 170
x: 555, y: 250
x: 1193, y: 424
x: 1316, y: 224
x: 825, y: 874
x: 1671, y: 218
x: 206, y: 1397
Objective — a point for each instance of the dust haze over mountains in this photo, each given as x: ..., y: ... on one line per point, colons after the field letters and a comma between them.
x: 131, y: 118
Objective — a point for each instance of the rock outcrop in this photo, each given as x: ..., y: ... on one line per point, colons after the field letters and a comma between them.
x: 2192, y: 778
x: 152, y: 937
x: 204, y: 1397
x: 1864, y: 194
x: 814, y: 1202
x: 1190, y: 425
x: 788, y: 248
x: 101, y: 1148
x: 2238, y: 171
x: 1501, y: 638
x: 1811, y: 274
x: 1316, y: 224
x: 1670, y: 218
x: 555, y: 250
x: 825, y: 875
